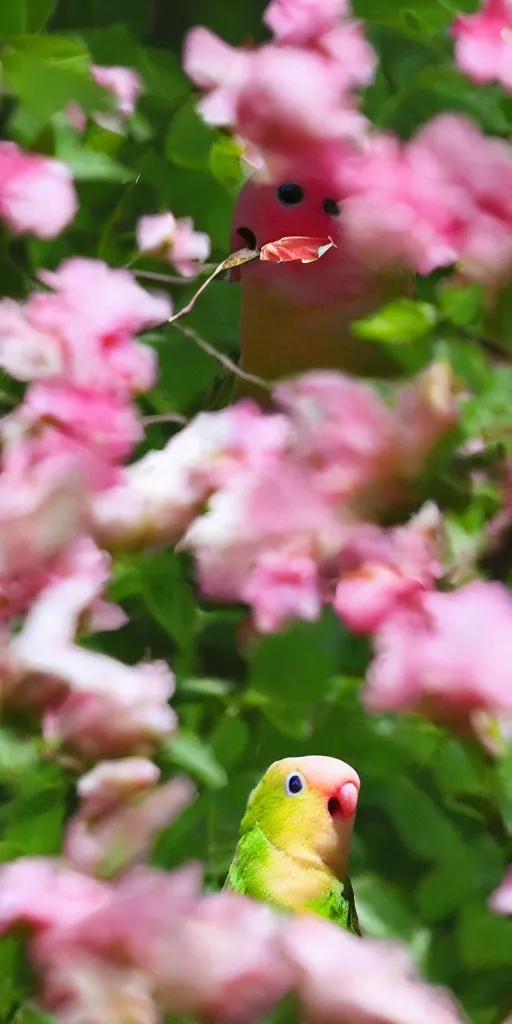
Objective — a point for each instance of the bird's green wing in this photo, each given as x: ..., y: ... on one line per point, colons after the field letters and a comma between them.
x: 338, y: 905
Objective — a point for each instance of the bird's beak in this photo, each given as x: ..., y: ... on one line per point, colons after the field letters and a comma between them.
x: 346, y: 798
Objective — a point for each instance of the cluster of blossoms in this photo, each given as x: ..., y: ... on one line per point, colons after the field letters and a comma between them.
x: 440, y: 199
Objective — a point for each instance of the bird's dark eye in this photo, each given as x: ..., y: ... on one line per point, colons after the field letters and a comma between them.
x: 331, y: 207
x: 294, y: 784
x: 248, y: 236
x: 290, y: 194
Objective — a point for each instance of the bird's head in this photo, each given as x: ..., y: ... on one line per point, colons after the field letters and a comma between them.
x: 307, y: 804
x: 266, y: 212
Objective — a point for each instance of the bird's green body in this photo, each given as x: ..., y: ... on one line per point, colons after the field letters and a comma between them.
x: 292, y: 854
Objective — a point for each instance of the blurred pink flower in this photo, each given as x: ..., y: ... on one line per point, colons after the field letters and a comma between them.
x: 81, y: 989
x: 124, y: 83
x: 346, y: 980
x: 43, y: 893
x: 87, y: 343
x: 36, y: 193
x: 303, y: 21
x: 275, y: 510
x: 383, y: 569
x: 89, y: 700
x: 281, y: 587
x: 501, y: 899
x: 158, y: 496
x: 361, y: 451
x: 483, y: 43
x: 449, y: 654
x: 42, y: 509
x: 272, y: 95
x: 175, y: 240
x: 122, y: 811
x: 441, y: 198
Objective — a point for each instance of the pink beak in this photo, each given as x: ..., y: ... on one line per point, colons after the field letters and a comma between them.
x: 346, y: 799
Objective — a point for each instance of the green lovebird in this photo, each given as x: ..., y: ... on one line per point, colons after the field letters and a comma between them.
x: 295, y: 839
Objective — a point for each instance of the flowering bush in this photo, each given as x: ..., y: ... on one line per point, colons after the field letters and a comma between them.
x: 193, y: 587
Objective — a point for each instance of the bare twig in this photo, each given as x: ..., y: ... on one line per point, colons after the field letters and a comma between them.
x: 224, y: 360
x: 164, y: 417
x: 234, y: 260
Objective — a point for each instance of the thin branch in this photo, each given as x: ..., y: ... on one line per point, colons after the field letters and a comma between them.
x: 164, y: 417
x: 225, y: 361
x: 234, y: 260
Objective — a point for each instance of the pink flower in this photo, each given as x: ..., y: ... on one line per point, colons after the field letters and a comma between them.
x: 217, y: 68
x: 384, y: 569
x: 282, y: 587
x: 303, y: 21
x: 501, y: 899
x: 88, y: 342
x: 271, y: 96
x: 42, y: 509
x: 483, y: 43
x: 449, y: 654
x: 122, y: 811
x: 98, y: 429
x: 42, y: 893
x: 124, y: 83
x: 36, y: 193
x: 175, y: 240
x: 79, y: 988
x: 346, y: 980
x: 159, y: 495
x: 442, y: 198
x: 275, y: 510
x: 89, y: 700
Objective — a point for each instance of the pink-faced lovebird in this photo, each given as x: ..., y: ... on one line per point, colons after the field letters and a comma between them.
x: 295, y: 836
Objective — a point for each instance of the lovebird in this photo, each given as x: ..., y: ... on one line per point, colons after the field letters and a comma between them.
x: 297, y: 316
x: 295, y: 839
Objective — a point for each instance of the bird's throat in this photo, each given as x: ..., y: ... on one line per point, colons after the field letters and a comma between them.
x: 279, y: 338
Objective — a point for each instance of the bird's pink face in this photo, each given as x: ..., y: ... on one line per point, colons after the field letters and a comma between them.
x: 266, y: 212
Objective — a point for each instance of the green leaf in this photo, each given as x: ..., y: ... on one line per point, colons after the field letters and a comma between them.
x: 297, y: 665
x: 189, y: 139
x: 20, y: 16
x: 384, y: 913
x: 399, y: 322
x: 229, y: 740
x: 421, y: 824
x: 191, y: 754
x: 461, y: 304
x: 485, y: 940
x: 169, y: 598
x: 45, y: 88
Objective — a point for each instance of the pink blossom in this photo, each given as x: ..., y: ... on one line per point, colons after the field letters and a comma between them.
x: 43, y: 893
x: 441, y: 198
x: 303, y: 21
x: 281, y: 587
x: 124, y: 83
x: 275, y: 510
x: 78, y: 988
x: 346, y: 980
x: 159, y: 495
x: 175, y: 240
x: 90, y: 701
x: 87, y: 343
x: 36, y: 192
x: 42, y: 509
x: 448, y: 654
x: 483, y: 43
x: 271, y: 96
x: 122, y: 811
x: 383, y: 569
x: 501, y: 899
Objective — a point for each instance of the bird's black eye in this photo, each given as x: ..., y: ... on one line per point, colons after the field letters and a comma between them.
x: 290, y: 193
x: 248, y: 236
x: 294, y: 784
x: 331, y: 207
